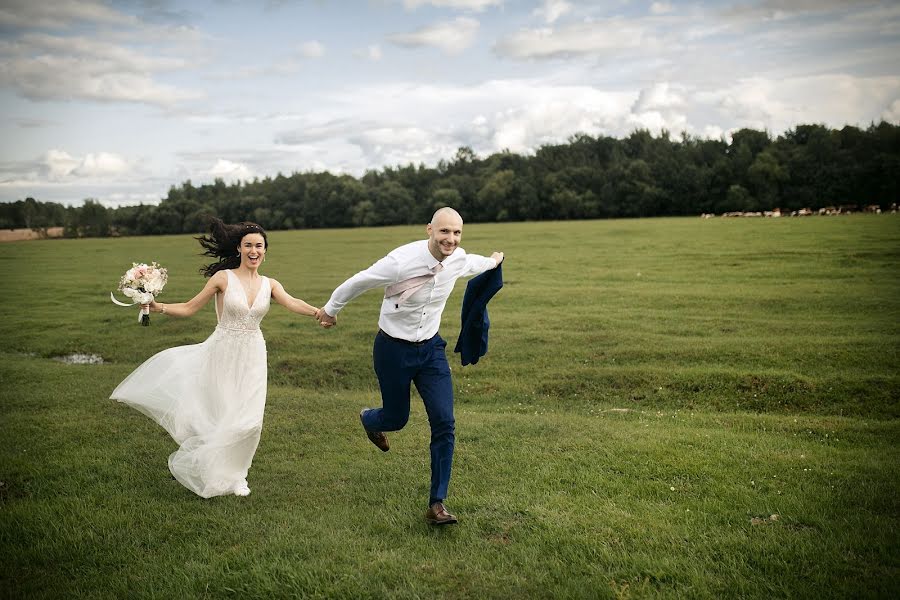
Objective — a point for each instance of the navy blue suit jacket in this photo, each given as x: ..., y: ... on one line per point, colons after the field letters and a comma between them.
x: 473, y: 337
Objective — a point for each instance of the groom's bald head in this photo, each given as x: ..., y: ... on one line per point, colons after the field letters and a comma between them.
x: 444, y: 213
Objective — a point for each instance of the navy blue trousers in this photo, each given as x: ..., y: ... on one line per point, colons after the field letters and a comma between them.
x: 397, y: 365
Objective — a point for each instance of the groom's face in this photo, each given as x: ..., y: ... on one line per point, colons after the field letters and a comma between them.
x: 444, y: 234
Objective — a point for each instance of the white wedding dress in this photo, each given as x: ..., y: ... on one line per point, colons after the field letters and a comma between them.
x: 210, y: 397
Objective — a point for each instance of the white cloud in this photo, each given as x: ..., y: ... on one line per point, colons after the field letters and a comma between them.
x: 114, y: 57
x: 518, y: 115
x: 660, y: 106
x: 60, y: 14
x: 451, y: 37
x: 94, y: 166
x: 372, y: 53
x: 558, y: 112
x: 656, y: 121
x: 598, y: 38
x: 312, y: 49
x: 230, y: 171
x: 801, y: 27
x: 287, y: 65
x: 661, y: 8
x: 241, y: 117
x: 712, y: 132
x: 32, y: 123
x: 58, y: 78
x: 187, y: 38
x: 58, y: 166
x: 552, y: 10
x: 781, y: 9
x: 661, y: 95
x: 476, y: 5
x: 246, y: 163
x: 102, y: 164
x: 46, y: 67
x: 892, y: 112
x: 393, y: 145
x: 781, y: 104
x: 525, y: 128
x: 312, y: 132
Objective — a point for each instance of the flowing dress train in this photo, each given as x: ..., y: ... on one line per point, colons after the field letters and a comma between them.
x: 211, y: 396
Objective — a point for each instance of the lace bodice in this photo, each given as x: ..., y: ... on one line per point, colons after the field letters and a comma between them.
x: 235, y: 313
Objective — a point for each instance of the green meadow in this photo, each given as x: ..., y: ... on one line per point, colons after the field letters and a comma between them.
x: 668, y: 408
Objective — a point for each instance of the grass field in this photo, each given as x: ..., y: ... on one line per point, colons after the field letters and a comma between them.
x: 669, y: 408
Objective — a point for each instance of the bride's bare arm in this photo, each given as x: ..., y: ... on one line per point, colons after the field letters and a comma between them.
x: 289, y: 302
x: 217, y: 283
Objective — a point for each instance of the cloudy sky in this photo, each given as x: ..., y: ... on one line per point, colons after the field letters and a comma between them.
x: 118, y: 100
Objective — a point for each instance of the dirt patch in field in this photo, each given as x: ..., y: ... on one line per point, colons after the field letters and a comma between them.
x: 18, y: 235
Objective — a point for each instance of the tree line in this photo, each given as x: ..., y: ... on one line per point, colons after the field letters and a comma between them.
x: 640, y: 175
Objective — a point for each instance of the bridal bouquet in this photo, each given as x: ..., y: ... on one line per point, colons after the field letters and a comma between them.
x: 142, y: 283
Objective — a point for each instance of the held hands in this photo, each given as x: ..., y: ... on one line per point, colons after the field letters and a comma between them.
x: 324, y: 319
x: 498, y: 257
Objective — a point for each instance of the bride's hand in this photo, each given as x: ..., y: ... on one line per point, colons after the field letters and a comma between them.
x: 324, y: 319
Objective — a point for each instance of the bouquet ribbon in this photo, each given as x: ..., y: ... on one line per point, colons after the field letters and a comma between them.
x: 141, y: 312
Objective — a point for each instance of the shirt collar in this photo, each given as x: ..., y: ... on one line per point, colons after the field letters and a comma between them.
x: 429, y: 259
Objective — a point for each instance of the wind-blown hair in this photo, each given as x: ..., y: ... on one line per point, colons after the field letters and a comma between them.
x: 222, y: 243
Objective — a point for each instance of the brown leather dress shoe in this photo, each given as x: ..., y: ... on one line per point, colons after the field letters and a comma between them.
x: 437, y: 515
x: 376, y: 437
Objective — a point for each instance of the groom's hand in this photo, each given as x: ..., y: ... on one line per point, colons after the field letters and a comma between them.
x: 324, y: 319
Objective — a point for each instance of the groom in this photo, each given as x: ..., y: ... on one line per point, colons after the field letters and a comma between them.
x: 417, y: 279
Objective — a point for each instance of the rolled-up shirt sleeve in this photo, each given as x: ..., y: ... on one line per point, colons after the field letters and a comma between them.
x: 384, y: 272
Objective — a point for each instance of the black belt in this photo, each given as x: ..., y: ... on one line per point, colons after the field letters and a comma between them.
x: 407, y: 342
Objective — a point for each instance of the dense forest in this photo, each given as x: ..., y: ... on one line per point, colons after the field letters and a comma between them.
x: 809, y: 166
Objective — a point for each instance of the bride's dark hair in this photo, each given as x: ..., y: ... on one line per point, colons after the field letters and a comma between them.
x: 222, y: 242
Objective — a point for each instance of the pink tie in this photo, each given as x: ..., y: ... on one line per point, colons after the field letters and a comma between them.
x: 408, y: 287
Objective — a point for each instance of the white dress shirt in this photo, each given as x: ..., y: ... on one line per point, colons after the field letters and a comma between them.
x: 419, y: 317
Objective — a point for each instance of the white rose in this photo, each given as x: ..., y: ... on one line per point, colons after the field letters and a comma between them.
x: 156, y: 282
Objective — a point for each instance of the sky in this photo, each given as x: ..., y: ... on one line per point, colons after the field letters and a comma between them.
x: 120, y: 100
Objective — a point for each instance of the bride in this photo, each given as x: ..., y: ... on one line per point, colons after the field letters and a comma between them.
x: 210, y: 397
